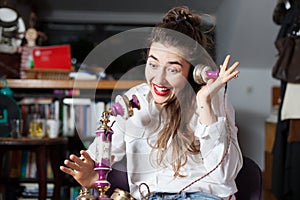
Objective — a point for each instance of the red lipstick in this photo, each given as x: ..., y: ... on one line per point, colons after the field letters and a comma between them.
x: 160, y: 90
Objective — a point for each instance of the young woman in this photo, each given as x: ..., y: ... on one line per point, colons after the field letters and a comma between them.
x: 184, y: 131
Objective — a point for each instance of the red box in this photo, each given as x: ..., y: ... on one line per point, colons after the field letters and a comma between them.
x: 52, y: 57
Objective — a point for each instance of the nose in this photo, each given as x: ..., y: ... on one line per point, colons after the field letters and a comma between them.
x: 160, y: 76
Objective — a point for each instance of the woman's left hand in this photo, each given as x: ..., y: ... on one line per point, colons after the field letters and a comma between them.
x: 225, y: 75
x: 205, y: 94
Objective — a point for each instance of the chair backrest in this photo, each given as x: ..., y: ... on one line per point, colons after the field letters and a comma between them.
x: 249, y: 181
x: 118, y: 177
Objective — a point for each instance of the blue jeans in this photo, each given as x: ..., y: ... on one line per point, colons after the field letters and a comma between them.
x: 183, y: 195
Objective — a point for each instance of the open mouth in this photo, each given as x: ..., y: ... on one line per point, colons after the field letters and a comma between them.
x: 161, y: 90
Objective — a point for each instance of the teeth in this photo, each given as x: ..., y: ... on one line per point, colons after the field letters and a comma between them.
x: 162, y: 89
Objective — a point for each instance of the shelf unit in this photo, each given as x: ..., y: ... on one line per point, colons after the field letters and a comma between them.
x: 45, y: 88
x: 69, y: 84
x: 101, y: 89
x: 270, y: 133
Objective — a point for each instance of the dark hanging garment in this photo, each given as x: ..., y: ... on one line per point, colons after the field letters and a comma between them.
x: 286, y: 154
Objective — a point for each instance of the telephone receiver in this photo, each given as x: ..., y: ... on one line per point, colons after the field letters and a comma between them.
x: 124, y: 106
x: 202, y: 73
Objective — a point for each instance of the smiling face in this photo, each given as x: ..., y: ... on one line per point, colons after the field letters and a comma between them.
x: 166, y: 72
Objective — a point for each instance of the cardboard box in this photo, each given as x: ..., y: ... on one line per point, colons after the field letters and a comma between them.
x: 52, y: 57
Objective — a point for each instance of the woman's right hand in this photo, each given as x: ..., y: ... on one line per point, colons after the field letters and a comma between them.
x: 81, y: 168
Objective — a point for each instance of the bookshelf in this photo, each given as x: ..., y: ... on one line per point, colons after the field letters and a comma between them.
x: 43, y: 148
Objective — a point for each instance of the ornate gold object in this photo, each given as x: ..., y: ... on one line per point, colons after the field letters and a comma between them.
x: 85, y: 195
x: 121, y: 195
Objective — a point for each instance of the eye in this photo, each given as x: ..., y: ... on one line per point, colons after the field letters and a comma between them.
x: 152, y: 65
x: 173, y: 70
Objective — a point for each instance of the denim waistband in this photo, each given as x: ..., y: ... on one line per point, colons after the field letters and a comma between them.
x: 183, y: 195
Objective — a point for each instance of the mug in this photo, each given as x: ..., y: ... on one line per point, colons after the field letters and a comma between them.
x: 52, y: 128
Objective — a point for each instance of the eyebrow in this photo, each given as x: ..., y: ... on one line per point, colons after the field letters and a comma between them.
x: 151, y: 56
x: 171, y: 62
x: 175, y: 63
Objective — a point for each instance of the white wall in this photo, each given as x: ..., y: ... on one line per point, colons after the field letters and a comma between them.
x: 245, y: 29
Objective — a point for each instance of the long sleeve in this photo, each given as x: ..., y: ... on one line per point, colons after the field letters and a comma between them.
x: 214, y: 142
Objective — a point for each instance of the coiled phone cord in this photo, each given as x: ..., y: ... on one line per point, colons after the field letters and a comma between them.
x: 226, y: 150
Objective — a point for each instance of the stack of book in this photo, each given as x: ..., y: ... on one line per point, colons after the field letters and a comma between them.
x: 31, y: 191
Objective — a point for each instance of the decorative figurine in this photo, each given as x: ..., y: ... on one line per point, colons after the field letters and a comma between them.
x: 33, y: 39
x: 26, y: 57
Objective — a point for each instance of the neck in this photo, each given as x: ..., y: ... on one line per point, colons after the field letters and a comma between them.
x: 31, y: 43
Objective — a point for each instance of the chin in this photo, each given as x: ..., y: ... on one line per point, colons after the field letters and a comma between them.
x: 160, y: 99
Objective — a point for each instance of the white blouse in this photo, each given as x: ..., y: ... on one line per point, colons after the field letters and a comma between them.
x: 132, y: 137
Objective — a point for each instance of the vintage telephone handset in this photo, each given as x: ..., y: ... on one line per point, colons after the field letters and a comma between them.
x: 202, y: 73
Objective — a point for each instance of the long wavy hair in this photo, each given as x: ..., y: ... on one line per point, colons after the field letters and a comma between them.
x: 176, y: 138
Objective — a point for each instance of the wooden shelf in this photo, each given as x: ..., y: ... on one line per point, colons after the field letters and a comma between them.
x: 71, y: 84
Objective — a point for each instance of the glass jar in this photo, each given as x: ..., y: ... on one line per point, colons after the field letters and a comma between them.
x: 37, y: 127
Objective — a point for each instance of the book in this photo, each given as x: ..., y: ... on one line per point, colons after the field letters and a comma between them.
x: 15, y: 167
x: 31, y: 190
x: 24, y: 164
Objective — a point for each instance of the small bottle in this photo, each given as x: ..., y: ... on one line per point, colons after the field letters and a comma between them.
x: 16, y: 128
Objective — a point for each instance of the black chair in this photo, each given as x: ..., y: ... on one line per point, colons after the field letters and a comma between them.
x: 249, y: 180
x: 118, y: 177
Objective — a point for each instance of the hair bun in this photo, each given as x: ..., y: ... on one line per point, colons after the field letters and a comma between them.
x: 179, y: 14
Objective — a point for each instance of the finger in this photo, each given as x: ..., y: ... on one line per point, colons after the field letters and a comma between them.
x: 234, y: 66
x: 226, y: 62
x: 87, y: 159
x: 73, y: 157
x: 234, y: 74
x: 72, y: 165
x: 231, y: 75
x: 67, y: 170
x: 76, y: 159
x: 228, y: 73
x: 86, y: 155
